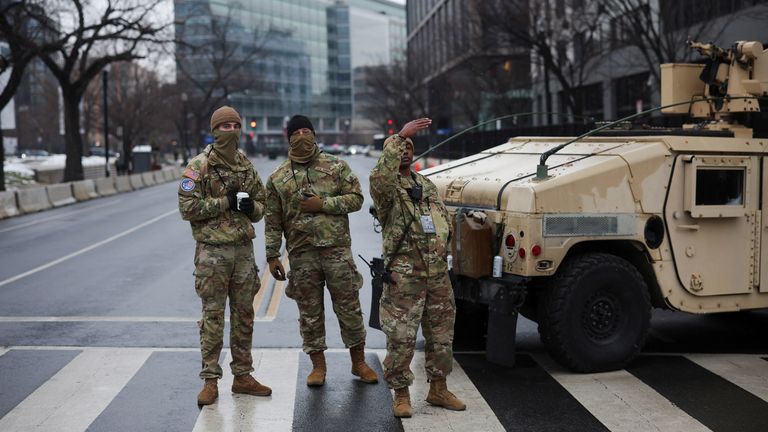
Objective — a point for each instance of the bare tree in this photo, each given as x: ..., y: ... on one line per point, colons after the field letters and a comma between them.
x: 222, y: 64
x: 560, y: 34
x: 393, y: 93
x: 121, y: 31
x: 22, y: 29
x: 135, y: 107
x: 660, y: 28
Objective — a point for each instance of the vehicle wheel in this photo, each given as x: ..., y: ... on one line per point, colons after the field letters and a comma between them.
x: 595, y: 313
x: 471, y: 327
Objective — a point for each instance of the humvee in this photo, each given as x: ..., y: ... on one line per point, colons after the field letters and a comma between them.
x: 623, y: 221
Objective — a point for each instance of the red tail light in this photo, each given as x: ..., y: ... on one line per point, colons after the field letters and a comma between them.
x: 521, y: 252
x: 510, y: 241
x: 536, y: 250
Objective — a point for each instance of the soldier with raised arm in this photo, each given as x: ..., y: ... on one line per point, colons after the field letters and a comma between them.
x: 415, y: 230
x: 224, y: 262
x: 308, y: 199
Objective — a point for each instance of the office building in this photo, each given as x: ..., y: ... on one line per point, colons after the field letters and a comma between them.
x: 307, y: 50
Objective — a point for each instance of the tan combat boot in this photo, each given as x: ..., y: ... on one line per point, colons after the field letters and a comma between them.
x: 359, y: 367
x: 209, y: 393
x: 317, y: 376
x: 246, y: 384
x: 402, y: 403
x: 440, y: 396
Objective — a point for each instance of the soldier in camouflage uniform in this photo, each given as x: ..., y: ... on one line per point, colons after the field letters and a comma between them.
x: 308, y: 199
x: 416, y: 228
x: 224, y: 262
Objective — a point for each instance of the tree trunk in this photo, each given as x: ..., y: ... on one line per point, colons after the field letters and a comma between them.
x: 127, y: 157
x: 73, y: 168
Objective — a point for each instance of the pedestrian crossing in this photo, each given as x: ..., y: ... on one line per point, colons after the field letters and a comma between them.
x: 132, y: 389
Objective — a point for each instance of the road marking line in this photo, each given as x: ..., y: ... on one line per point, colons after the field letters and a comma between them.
x: 231, y: 412
x: 621, y: 401
x: 746, y: 371
x: 78, y: 393
x: 478, y: 417
x: 14, y: 319
x: 87, y: 248
x: 259, y: 298
x: 34, y: 222
x: 277, y: 293
x: 3, y: 351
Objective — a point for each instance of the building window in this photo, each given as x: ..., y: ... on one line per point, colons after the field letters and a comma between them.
x: 632, y: 94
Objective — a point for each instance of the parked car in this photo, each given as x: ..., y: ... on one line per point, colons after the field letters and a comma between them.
x: 99, y: 151
x: 33, y: 153
x: 355, y: 149
x: 336, y: 149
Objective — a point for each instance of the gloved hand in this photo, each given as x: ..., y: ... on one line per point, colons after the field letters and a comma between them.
x: 276, y: 268
x: 312, y: 204
x: 232, y: 199
x: 246, y: 206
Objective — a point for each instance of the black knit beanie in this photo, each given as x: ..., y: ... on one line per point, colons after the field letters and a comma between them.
x: 297, y: 122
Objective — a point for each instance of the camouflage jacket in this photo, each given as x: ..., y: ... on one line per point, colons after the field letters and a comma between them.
x: 420, y: 253
x: 327, y: 177
x: 203, y: 199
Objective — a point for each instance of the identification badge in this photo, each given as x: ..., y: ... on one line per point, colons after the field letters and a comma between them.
x: 427, y: 224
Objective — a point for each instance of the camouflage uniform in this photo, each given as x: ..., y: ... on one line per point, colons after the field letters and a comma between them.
x: 224, y: 262
x: 422, y: 293
x: 318, y: 244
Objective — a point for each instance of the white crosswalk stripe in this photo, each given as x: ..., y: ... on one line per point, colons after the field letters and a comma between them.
x: 746, y: 371
x: 72, y: 398
x: 621, y: 401
x: 75, y: 396
x: 477, y: 417
x: 275, y: 368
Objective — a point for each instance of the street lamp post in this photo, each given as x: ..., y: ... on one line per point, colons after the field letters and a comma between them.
x: 104, y: 74
x: 184, y: 99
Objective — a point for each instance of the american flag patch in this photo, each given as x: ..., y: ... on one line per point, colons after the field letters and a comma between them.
x: 191, y: 174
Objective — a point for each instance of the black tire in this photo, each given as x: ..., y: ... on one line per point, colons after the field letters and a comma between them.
x: 595, y: 313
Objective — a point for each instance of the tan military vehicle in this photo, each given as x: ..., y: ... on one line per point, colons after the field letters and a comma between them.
x: 599, y: 231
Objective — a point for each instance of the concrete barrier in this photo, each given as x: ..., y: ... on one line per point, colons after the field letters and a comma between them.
x: 123, y: 184
x: 136, y: 182
x: 8, y: 205
x: 168, y: 173
x: 32, y: 200
x: 84, y: 190
x: 159, y: 176
x: 148, y: 178
x: 60, y: 194
x: 105, y: 186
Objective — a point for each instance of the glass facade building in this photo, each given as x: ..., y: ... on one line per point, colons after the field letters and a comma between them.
x: 305, y: 60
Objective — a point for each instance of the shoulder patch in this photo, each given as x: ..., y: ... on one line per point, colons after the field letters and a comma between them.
x: 191, y: 174
x: 187, y: 185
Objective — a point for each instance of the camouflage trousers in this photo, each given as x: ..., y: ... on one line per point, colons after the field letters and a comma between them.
x: 223, y: 271
x: 310, y: 271
x: 417, y: 300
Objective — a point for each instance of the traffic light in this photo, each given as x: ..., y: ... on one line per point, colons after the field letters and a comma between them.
x: 253, y: 124
x: 390, y: 127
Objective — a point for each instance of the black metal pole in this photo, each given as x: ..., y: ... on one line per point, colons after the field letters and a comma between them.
x: 106, y: 122
x: 186, y: 143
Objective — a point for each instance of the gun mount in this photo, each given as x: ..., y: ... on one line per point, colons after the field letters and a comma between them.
x: 723, y: 87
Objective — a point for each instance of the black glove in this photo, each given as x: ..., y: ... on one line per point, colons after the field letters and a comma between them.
x: 246, y: 206
x: 232, y: 199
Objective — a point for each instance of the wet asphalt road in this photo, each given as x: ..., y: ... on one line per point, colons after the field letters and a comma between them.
x: 117, y: 272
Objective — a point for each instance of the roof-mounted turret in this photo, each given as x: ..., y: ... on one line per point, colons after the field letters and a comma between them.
x: 722, y: 87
